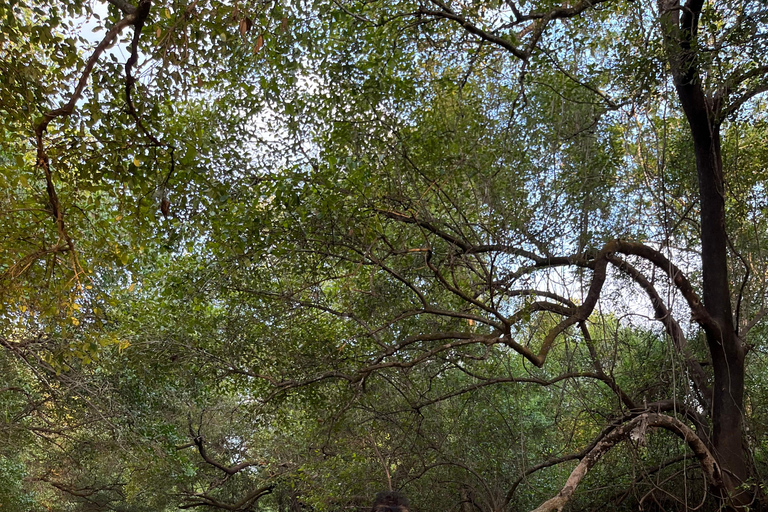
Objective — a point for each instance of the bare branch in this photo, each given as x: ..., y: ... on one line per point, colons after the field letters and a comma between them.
x: 446, y: 12
x: 738, y: 102
x: 671, y: 325
x: 676, y: 276
x: 230, y: 470
x: 732, y: 83
x: 243, y: 504
x: 755, y: 320
x: 638, y: 425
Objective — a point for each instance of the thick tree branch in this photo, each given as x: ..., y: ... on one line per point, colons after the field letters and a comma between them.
x: 637, y: 426
x: 573, y: 316
x: 656, y: 407
x: 243, y: 504
x: 447, y: 13
x: 230, y: 470
x: 675, y: 275
x: 662, y: 314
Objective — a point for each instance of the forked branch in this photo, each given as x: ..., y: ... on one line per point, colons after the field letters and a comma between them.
x: 229, y: 470
x: 206, y: 500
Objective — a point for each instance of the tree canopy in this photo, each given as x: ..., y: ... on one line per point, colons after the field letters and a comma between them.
x: 496, y: 255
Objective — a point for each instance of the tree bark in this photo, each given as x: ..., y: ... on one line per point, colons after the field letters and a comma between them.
x: 725, y: 347
x: 679, y: 26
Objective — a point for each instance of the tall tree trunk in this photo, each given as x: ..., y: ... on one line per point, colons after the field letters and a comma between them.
x: 679, y: 26
x: 726, y: 348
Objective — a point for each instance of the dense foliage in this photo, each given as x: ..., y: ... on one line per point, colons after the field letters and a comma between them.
x: 282, y: 255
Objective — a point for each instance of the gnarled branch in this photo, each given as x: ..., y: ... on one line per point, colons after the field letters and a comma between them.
x: 640, y: 424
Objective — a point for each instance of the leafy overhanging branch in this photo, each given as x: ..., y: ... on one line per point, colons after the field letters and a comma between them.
x: 135, y: 16
x: 56, y: 211
x: 199, y: 442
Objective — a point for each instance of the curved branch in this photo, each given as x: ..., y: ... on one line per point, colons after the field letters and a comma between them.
x: 580, y: 314
x: 230, y: 470
x: 66, y: 110
x: 247, y: 501
x: 755, y: 320
x: 730, y: 84
x: 637, y: 426
x: 655, y: 407
x: 743, y: 98
x: 671, y: 325
x: 446, y: 12
x: 22, y: 265
x: 675, y: 275
x: 541, y: 293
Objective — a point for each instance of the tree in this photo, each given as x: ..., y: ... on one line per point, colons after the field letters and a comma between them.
x: 447, y: 185
x: 475, y: 254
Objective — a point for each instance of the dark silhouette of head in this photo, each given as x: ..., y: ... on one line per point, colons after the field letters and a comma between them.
x: 391, y: 501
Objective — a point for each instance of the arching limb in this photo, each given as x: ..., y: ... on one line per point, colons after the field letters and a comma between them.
x: 637, y: 426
